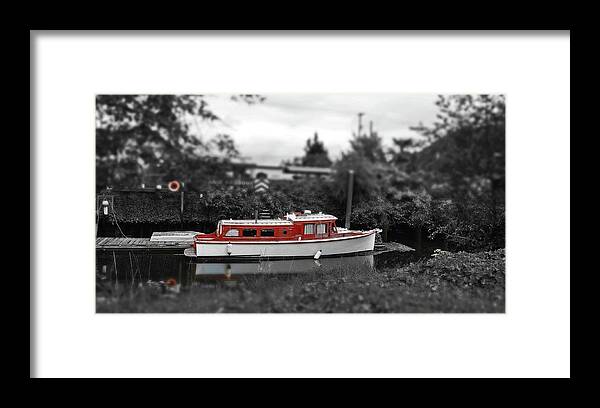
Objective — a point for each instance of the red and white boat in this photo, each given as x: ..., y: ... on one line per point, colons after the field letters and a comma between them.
x: 297, y: 235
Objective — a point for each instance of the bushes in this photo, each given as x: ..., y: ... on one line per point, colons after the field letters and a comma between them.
x: 217, y: 203
x: 466, y: 223
x: 469, y: 222
x: 156, y: 207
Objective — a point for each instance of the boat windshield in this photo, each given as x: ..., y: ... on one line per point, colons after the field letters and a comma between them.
x: 233, y: 233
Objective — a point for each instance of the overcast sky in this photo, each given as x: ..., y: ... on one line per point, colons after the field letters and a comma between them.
x: 277, y: 129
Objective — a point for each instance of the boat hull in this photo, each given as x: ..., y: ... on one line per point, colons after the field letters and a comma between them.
x: 287, y: 249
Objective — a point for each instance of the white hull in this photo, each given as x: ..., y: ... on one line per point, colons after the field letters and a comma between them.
x: 284, y: 249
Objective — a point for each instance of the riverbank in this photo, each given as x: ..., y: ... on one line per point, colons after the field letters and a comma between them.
x: 449, y: 282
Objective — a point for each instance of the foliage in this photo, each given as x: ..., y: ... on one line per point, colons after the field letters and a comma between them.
x: 315, y: 154
x: 368, y: 146
x: 466, y: 146
x: 375, y: 178
x: 219, y: 202
x: 156, y: 207
x: 137, y: 134
x: 402, y: 155
x: 470, y: 223
x: 376, y: 213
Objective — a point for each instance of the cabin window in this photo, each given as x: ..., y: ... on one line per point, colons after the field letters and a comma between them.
x: 233, y: 233
x: 284, y: 232
x: 309, y: 229
x: 267, y: 233
x: 321, y: 229
x: 249, y: 232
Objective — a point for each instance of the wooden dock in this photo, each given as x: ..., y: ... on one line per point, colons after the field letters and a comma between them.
x: 139, y: 244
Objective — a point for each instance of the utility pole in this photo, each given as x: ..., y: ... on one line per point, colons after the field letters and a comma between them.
x: 360, y: 115
x: 370, y: 128
x: 349, y: 197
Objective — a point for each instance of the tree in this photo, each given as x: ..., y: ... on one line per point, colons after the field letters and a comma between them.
x: 136, y: 133
x: 374, y: 176
x: 404, y: 151
x: 466, y: 146
x: 315, y: 153
x: 368, y: 146
x: 464, y: 161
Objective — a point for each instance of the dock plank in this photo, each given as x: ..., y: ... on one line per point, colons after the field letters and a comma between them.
x: 139, y: 244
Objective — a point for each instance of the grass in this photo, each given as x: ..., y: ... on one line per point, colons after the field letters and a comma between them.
x: 458, y: 282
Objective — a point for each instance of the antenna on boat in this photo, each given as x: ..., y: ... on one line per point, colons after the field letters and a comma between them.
x: 256, y: 216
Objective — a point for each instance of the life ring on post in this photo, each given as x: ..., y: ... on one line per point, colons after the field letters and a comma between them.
x: 174, y: 186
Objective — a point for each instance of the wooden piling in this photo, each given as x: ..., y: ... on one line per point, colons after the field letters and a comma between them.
x: 349, y: 197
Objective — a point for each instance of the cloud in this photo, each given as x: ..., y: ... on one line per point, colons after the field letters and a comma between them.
x: 277, y: 129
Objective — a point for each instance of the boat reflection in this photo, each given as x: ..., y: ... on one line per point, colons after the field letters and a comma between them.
x: 230, y: 270
x: 144, y: 269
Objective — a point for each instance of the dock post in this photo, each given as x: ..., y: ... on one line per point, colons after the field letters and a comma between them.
x: 181, y: 209
x: 97, y: 213
x: 349, y: 197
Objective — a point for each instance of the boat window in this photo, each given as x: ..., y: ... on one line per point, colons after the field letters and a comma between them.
x: 249, y: 232
x: 321, y: 229
x: 267, y: 233
x: 232, y: 233
x: 284, y: 232
x: 309, y: 229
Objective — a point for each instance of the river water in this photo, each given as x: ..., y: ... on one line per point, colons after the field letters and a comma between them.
x: 133, y: 268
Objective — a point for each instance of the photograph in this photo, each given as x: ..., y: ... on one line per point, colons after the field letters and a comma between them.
x: 300, y: 203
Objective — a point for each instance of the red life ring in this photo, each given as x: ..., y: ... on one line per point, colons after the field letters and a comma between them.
x: 174, y: 185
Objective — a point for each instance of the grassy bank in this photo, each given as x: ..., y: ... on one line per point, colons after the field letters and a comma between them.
x: 445, y: 282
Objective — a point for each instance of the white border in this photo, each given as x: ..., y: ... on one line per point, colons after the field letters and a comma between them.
x: 531, y: 339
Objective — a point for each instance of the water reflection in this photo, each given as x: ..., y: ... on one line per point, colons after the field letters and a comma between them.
x: 291, y: 266
x: 116, y: 269
x: 135, y: 268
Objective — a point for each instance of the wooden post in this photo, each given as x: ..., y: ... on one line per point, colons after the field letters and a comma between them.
x: 116, y: 271
x: 181, y: 210
x: 349, y: 197
x: 97, y: 213
x: 180, y: 262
